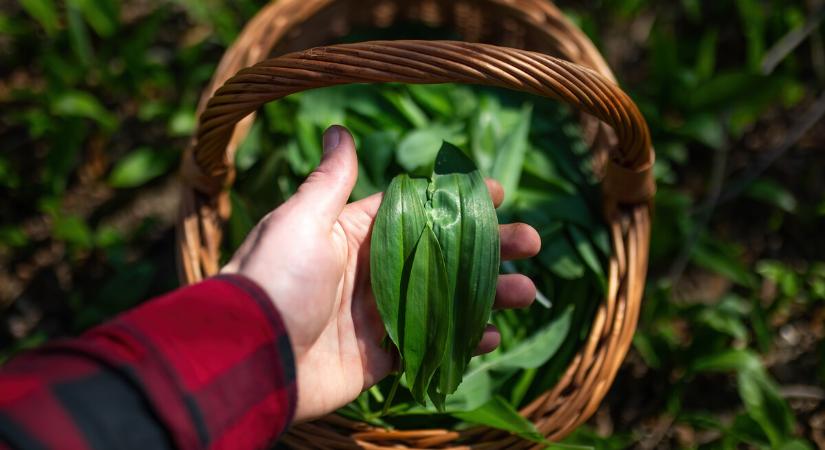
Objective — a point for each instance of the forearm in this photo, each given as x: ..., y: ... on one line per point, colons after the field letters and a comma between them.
x: 207, y: 366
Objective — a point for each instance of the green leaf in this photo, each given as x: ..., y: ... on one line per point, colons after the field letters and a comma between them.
x: 509, y: 160
x: 427, y: 315
x: 460, y: 214
x: 723, y: 323
x: 588, y: 254
x: 85, y: 105
x: 534, y: 351
x: 13, y: 236
x: 795, y: 444
x: 522, y: 385
x: 727, y: 361
x: 539, y: 165
x: 705, y: 128
x: 398, y: 226
x: 706, y: 54
x: 240, y: 222
x: 74, y: 230
x: 758, y: 392
x: 765, y: 405
x: 183, y: 122
x: 377, y: 151
x: 79, y: 36
x: 745, y: 430
x: 139, y: 167
x: 297, y: 162
x: 484, y: 132
x: 465, y: 223
x: 249, y: 151
x: 499, y: 414
x: 102, y: 15
x: 543, y: 208
x: 477, y: 386
x: 722, y: 258
x: 44, y: 12
x: 407, y: 107
x: 309, y: 142
x: 558, y: 255
x: 643, y: 344
x: 752, y: 15
x: 773, y: 194
x: 364, y: 187
x: 323, y: 107
x: 419, y: 148
x: 434, y: 97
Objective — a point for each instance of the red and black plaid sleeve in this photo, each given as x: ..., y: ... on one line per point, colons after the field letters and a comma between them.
x: 207, y: 366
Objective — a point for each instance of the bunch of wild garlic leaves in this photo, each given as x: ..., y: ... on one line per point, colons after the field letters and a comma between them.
x: 532, y: 146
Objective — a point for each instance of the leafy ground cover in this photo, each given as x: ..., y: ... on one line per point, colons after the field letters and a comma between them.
x: 98, y: 99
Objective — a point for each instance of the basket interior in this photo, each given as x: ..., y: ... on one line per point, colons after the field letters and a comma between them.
x: 527, y: 24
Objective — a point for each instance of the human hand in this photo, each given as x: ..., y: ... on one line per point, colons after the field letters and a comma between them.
x: 311, y: 255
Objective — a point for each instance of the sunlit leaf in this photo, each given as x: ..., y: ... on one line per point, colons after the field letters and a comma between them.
x: 484, y: 133
x: 509, y: 160
x: 419, y: 147
x: 397, y: 228
x: 773, y: 194
x: 465, y: 222
x: 460, y: 216
x: 44, y: 11
x: 498, y: 413
x: 434, y: 97
x: 102, y: 15
x: 323, y: 107
x: 427, y: 315
x: 765, y: 405
x: 377, y: 150
x: 407, y: 107
x: 140, y: 166
x: 85, y: 105
x: 183, y: 122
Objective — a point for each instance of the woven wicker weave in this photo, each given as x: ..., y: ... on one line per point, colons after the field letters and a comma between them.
x: 529, y: 31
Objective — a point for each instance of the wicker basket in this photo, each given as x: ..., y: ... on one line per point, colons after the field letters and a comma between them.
x: 614, y: 128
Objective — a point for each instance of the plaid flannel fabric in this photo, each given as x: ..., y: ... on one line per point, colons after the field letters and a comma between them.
x: 206, y: 366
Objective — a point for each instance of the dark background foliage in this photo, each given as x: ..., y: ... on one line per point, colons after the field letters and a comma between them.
x: 98, y: 99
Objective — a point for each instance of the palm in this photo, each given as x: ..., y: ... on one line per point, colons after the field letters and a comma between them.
x: 345, y: 357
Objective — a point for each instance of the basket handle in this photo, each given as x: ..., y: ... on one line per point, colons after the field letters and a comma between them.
x: 628, y: 178
x: 208, y: 167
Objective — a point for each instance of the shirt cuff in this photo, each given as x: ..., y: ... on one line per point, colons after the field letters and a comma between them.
x: 213, y: 359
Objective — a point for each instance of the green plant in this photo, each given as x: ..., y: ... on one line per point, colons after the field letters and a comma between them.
x: 534, y: 148
x: 434, y: 262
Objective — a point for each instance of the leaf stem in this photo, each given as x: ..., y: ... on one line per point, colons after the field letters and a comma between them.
x: 391, y: 395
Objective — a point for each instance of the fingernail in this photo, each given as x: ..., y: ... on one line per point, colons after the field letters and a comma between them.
x: 331, y: 138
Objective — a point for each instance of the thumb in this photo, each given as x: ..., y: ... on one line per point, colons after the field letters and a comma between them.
x: 326, y: 191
